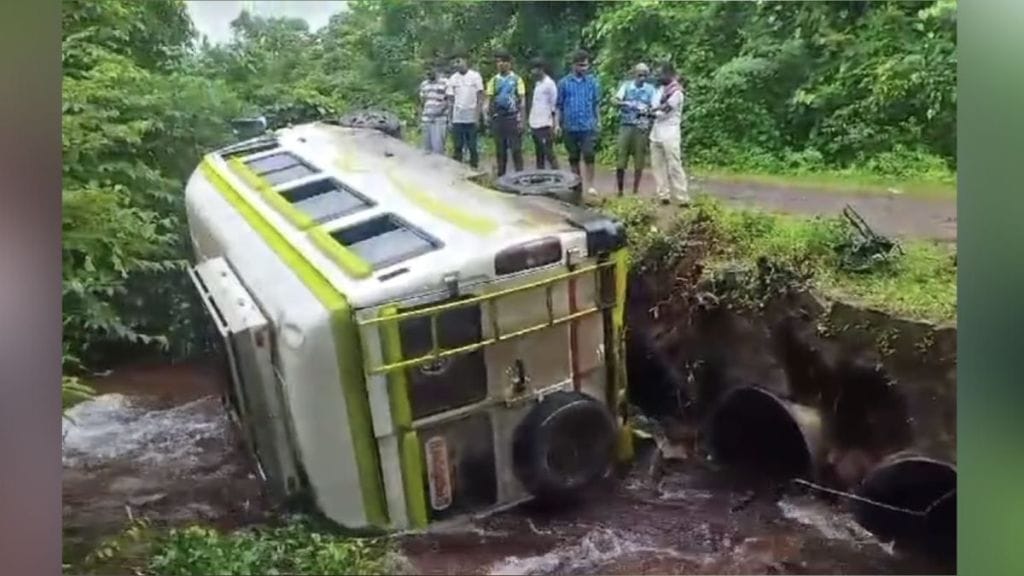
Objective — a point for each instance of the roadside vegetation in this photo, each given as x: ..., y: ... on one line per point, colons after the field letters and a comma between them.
x: 770, y: 252
x: 296, y: 548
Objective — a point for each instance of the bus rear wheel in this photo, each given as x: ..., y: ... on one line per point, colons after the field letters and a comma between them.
x: 564, y: 445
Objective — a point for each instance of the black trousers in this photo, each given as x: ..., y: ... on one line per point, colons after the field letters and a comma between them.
x: 544, y: 147
x: 463, y: 137
x: 508, y: 139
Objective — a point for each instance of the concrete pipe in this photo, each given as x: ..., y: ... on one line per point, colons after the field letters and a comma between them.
x: 755, y: 430
x: 940, y: 527
x: 910, y: 487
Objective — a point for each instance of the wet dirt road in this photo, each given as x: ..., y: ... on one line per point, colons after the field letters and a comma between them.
x: 892, y: 214
x: 158, y: 445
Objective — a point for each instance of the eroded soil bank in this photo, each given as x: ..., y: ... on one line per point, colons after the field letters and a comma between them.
x: 876, y: 388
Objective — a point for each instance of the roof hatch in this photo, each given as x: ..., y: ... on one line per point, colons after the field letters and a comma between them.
x: 385, y: 240
x: 325, y: 199
x: 280, y: 167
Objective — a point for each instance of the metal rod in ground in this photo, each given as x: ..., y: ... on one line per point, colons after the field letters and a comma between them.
x: 850, y: 496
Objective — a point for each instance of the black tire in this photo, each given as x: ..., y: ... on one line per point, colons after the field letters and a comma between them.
x: 385, y: 122
x: 564, y: 445
x: 558, y: 184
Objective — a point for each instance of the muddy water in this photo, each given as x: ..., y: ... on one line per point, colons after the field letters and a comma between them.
x: 157, y: 444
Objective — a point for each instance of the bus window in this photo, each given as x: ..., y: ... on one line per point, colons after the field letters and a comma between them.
x: 385, y: 240
x: 280, y: 168
x: 326, y: 199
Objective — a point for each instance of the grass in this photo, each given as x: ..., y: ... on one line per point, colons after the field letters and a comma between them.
x: 919, y: 284
x: 295, y: 548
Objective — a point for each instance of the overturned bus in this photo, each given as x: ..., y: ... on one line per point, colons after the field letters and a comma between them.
x: 405, y: 345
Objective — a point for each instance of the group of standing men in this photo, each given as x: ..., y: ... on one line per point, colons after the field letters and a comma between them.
x: 650, y: 118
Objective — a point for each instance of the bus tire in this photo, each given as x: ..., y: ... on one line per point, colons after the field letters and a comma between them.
x: 557, y: 184
x: 565, y: 444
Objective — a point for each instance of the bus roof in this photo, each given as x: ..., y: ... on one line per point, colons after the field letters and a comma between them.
x: 410, y: 218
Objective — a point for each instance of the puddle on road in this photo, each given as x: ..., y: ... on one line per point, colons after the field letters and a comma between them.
x: 179, y: 463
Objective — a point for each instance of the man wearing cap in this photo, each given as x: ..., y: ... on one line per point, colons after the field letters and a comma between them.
x: 634, y: 102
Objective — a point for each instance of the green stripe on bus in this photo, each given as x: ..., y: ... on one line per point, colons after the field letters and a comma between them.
x: 411, y: 454
x: 298, y: 219
x: 621, y: 259
x: 347, y: 260
x: 466, y: 220
x: 345, y: 341
x: 409, y: 449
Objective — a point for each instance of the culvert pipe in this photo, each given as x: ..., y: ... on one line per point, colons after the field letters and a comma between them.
x: 758, y: 432
x: 940, y: 527
x: 920, y: 498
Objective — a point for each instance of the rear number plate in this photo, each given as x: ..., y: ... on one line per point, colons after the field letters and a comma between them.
x: 438, y: 475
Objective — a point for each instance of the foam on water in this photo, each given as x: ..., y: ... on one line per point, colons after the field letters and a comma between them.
x: 825, y: 520
x: 113, y: 427
x: 596, y: 548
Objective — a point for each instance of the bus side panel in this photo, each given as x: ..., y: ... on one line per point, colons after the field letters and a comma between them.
x: 308, y: 355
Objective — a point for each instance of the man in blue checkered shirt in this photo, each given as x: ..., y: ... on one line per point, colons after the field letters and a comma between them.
x: 579, y: 96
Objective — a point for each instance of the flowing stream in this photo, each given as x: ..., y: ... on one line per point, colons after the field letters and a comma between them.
x: 157, y: 444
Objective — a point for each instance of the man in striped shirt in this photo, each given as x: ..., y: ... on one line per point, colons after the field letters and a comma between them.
x: 434, y: 115
x: 579, y: 96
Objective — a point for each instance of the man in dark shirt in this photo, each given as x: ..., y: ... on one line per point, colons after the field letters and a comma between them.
x: 579, y: 96
x: 506, y: 93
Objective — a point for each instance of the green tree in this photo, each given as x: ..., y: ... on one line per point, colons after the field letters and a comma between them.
x: 135, y: 122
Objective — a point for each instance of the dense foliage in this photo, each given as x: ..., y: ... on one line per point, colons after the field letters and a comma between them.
x: 778, y: 86
x: 136, y: 118
x: 773, y: 86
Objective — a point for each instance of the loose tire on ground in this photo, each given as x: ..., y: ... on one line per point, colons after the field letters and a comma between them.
x: 385, y: 122
x: 558, y: 184
x: 565, y: 444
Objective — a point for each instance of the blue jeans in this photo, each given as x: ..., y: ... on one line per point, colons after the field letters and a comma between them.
x: 463, y: 137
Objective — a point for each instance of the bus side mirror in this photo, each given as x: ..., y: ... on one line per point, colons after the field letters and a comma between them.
x: 245, y: 128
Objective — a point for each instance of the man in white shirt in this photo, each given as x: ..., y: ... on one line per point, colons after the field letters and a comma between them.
x: 466, y: 99
x: 542, y: 115
x: 666, y: 138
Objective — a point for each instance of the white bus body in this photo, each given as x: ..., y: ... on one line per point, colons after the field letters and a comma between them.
x: 306, y: 243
